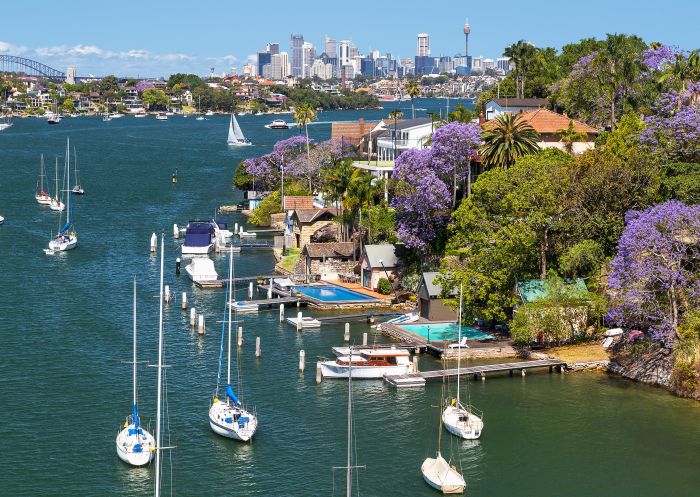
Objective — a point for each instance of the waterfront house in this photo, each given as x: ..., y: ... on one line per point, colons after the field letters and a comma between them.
x: 306, y: 225
x: 498, y: 106
x: 254, y: 198
x: 430, y: 303
x: 403, y: 135
x: 549, y: 125
x: 330, y: 260
x: 379, y: 261
x: 354, y: 132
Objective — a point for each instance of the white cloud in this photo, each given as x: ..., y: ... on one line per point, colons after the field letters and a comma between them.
x: 10, y: 49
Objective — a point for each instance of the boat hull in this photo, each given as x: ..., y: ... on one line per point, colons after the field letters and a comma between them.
x: 329, y: 369
x: 219, y: 415
x: 200, y: 278
x: 125, y: 445
x: 43, y: 199
x: 187, y: 250
x: 441, y: 476
x: 63, y: 243
x: 462, y: 423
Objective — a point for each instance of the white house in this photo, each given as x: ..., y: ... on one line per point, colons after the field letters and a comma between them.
x: 498, y: 106
x: 378, y: 261
x: 396, y: 137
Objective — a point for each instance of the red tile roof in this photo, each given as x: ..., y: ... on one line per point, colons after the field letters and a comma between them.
x: 547, y: 122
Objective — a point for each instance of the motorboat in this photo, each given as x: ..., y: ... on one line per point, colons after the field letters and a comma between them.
x: 53, y: 119
x: 199, y: 238
x: 201, y: 269
x: 199, y: 118
x: 369, y: 364
x: 106, y: 118
x: 2, y: 219
x: 410, y: 317
x: 6, y: 123
x: 442, y: 476
x: 243, y: 306
x: 161, y: 116
x: 306, y: 322
x: 140, y: 114
x: 278, y: 124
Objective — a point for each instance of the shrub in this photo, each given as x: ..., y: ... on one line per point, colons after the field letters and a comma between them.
x: 384, y: 286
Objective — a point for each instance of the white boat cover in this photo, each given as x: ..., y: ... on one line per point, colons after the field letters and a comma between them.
x: 440, y: 475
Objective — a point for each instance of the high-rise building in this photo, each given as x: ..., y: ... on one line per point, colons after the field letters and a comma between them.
x: 321, y: 70
x: 367, y: 67
x: 276, y: 67
x: 273, y: 48
x: 297, y: 49
x: 423, y: 49
x: 284, y: 64
x: 503, y: 63
x: 478, y: 63
x: 344, y: 58
x: 308, y: 54
x: 330, y: 47
x: 263, y: 58
x: 467, y: 30
x: 250, y: 70
x: 489, y: 64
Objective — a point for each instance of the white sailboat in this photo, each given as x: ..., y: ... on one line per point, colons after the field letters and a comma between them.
x: 56, y: 204
x: 5, y: 123
x: 77, y: 188
x: 40, y: 195
x: 200, y: 117
x: 235, y: 134
x: 67, y: 238
x: 459, y: 419
x: 229, y: 417
x: 134, y: 444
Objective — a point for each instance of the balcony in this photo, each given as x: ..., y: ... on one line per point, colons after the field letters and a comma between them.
x: 400, y: 144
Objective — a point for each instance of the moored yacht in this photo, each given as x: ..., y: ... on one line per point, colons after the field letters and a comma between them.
x: 278, y: 124
x: 161, y: 116
x: 201, y: 269
x: 368, y: 364
x: 199, y: 238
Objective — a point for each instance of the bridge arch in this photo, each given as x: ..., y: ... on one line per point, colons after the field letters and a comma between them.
x: 13, y: 63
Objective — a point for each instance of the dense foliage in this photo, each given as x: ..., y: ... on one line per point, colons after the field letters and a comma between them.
x: 324, y: 100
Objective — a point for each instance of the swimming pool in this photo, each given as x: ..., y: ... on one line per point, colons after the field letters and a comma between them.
x: 444, y: 331
x: 332, y: 293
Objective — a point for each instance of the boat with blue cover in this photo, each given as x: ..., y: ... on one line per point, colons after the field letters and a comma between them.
x: 199, y: 238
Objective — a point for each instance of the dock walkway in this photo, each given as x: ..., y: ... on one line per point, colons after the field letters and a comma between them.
x: 419, y: 379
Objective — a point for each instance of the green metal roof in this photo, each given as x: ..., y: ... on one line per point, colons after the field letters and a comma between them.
x: 531, y: 290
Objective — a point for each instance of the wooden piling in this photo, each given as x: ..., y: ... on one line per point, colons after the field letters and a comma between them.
x: 257, y: 347
x: 201, y: 329
x: 176, y: 232
x: 364, y: 339
x: 193, y: 317
x: 281, y: 313
x: 184, y: 301
x: 302, y: 360
x: 346, y: 335
x: 319, y: 374
x: 166, y: 294
x: 299, y: 321
x: 240, y: 336
x: 250, y: 291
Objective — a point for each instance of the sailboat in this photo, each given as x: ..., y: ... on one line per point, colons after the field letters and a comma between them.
x: 228, y: 417
x: 77, y: 189
x: 40, y: 195
x: 463, y: 421
x: 66, y: 239
x: 134, y: 444
x: 235, y: 134
x: 5, y: 123
x: 56, y: 204
x: 200, y: 117
x: 440, y: 474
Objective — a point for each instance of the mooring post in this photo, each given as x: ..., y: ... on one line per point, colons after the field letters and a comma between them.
x: 281, y: 313
x: 346, y: 335
x: 302, y: 357
x: 415, y: 363
x: 177, y: 267
x: 364, y: 339
x: 269, y: 290
x: 193, y: 317
x: 176, y: 232
x: 250, y: 291
x: 257, y: 347
x: 154, y: 242
x: 522, y: 372
x: 299, y: 317
x: 201, y: 329
x: 319, y: 374
x: 240, y: 336
x: 184, y: 301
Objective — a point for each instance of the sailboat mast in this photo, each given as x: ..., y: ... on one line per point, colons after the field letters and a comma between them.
x: 459, y: 339
x: 135, y: 420
x: 68, y: 187
x: 160, y: 371
x: 42, y: 174
x: 230, y: 286
x: 348, y: 476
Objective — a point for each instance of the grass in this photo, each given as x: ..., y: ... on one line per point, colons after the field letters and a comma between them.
x: 585, y: 352
x: 289, y: 261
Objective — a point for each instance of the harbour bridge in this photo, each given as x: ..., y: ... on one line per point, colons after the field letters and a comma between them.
x: 13, y: 63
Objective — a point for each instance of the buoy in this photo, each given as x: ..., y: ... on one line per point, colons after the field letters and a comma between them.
x: 522, y: 372
x: 319, y: 374
x: 193, y: 317
x: 250, y: 291
x: 201, y: 330
x: 240, y: 336
x: 235, y: 229
x: 346, y: 335
x: 257, y: 347
x: 364, y: 338
x: 302, y: 357
x: 269, y: 290
x: 177, y: 266
x: 415, y: 363
x: 184, y: 301
x: 281, y: 313
x: 154, y: 242
x: 176, y: 232
x: 299, y: 321
x: 166, y: 296
x: 483, y: 376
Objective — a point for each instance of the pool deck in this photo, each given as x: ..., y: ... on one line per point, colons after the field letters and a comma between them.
x: 380, y: 300
x: 356, y: 287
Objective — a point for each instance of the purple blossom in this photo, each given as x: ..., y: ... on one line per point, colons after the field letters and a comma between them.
x: 452, y: 148
x: 656, y: 59
x: 654, y: 278
x: 422, y: 198
x: 144, y: 85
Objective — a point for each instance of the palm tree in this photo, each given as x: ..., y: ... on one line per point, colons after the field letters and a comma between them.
x: 569, y: 136
x: 510, y: 138
x: 303, y: 115
x: 683, y: 69
x: 413, y: 90
x: 521, y: 54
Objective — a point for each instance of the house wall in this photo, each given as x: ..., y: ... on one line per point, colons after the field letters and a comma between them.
x: 578, y: 147
x: 376, y: 274
x: 330, y: 268
x: 435, y: 310
x: 302, y: 232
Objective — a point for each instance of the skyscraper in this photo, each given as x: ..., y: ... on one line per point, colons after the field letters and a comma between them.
x: 263, y: 58
x: 345, y: 52
x: 284, y: 62
x: 330, y: 47
x: 467, y: 30
x: 273, y: 48
x: 309, y: 54
x: 297, y: 49
x: 423, y: 49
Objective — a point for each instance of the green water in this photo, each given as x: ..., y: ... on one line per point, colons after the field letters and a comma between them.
x: 66, y: 332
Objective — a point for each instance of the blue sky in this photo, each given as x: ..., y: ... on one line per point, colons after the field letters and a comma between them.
x: 156, y: 38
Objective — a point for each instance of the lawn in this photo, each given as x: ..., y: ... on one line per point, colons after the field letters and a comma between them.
x: 289, y: 261
x: 585, y: 352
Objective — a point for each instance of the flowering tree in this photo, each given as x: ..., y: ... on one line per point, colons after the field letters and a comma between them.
x: 267, y: 169
x: 655, y: 277
x: 453, y: 146
x: 421, y: 199
x: 673, y: 130
x: 657, y: 58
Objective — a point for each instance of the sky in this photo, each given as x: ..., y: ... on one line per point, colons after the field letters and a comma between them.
x: 153, y: 38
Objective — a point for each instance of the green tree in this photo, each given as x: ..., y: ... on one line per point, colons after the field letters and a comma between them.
x: 510, y: 138
x: 68, y: 105
x: 461, y: 115
x: 569, y: 136
x: 681, y: 181
x: 413, y: 91
x: 683, y: 70
x: 303, y: 115
x: 521, y: 55
x: 155, y: 98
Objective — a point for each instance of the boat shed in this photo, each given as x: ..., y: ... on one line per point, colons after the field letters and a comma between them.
x: 430, y: 303
x: 379, y: 261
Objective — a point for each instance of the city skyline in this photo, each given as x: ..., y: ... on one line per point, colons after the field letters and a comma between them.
x: 179, y: 45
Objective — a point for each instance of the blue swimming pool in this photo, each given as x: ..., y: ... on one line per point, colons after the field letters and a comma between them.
x: 332, y: 293
x: 445, y: 331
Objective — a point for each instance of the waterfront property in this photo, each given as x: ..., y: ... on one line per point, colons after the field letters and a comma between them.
x: 304, y: 224
x: 378, y: 261
x: 430, y: 303
x: 332, y: 294
x: 445, y: 331
x: 331, y: 260
x: 403, y: 135
x: 498, y: 106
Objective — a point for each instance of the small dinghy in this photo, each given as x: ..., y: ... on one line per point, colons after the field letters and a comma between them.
x: 242, y: 306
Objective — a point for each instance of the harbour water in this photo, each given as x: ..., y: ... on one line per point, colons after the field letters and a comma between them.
x: 66, y: 337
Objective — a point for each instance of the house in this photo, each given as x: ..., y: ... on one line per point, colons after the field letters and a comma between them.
x: 396, y: 137
x: 254, y: 198
x: 352, y: 132
x: 378, y: 261
x: 498, y: 106
x: 549, y: 125
x: 307, y: 225
x: 329, y: 259
x: 430, y: 303
x: 292, y: 202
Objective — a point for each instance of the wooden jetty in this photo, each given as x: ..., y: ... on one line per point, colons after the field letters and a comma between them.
x: 245, y: 279
x: 419, y: 379
x: 272, y: 302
